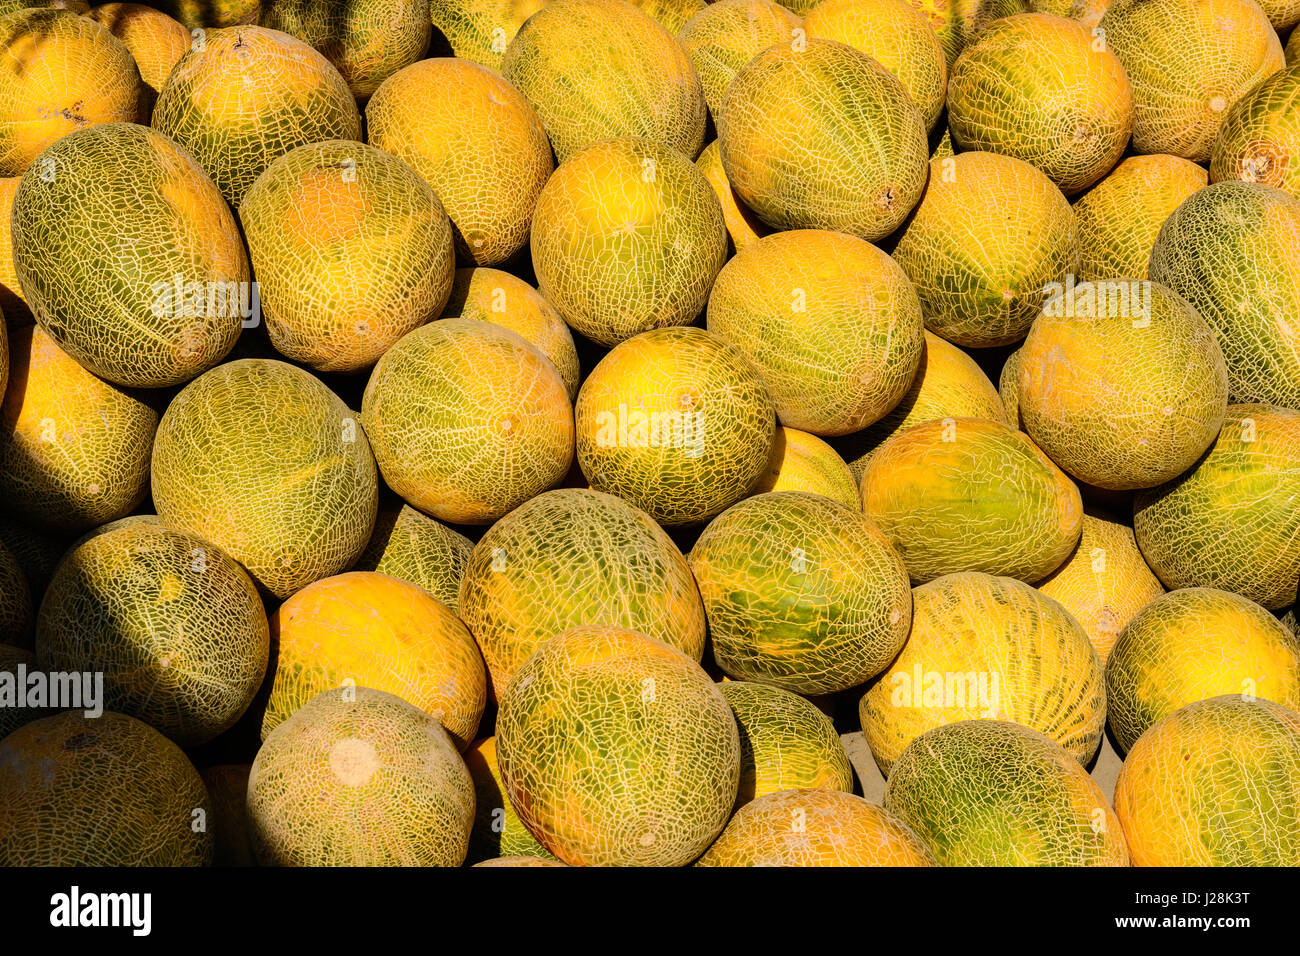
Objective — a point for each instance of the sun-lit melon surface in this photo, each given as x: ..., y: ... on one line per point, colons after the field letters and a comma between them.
x: 481, y: 30
x: 958, y: 22
x: 724, y: 36
x: 743, y: 227
x: 1259, y: 141
x: 155, y: 40
x: 498, y: 832
x: 411, y: 546
x: 803, y: 462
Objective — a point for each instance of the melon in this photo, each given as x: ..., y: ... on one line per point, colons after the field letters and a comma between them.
x: 155, y: 40
x: 1229, y: 251
x: 1122, y: 383
x: 573, y: 557
x: 498, y: 832
x: 988, y: 648
x: 817, y: 135
x: 618, y: 750
x: 1105, y: 582
x: 600, y: 69
x: 36, y: 552
x: 1087, y: 12
x: 1188, y: 61
x: 831, y: 322
x: 59, y: 73
x: 101, y: 791
x: 379, y: 632
x: 1194, y: 644
x: 723, y: 36
x: 816, y: 828
x: 358, y: 777
x: 196, y: 14
x: 1231, y: 521
x: 627, y: 236
x: 76, y: 6
x: 521, y: 861
x: 413, y: 547
x: 672, y: 15
x: 1292, y: 51
x: 1259, y: 141
x: 1120, y: 217
x: 996, y: 793
x: 74, y: 449
x: 1281, y: 13
x: 468, y: 420
x: 490, y: 295
x: 1216, y: 783
x: 676, y: 421
x: 159, y: 290
x: 786, y: 743
x: 173, y: 623
x: 228, y: 793
x: 957, y: 22
x: 286, y: 483
x: 12, y: 303
x: 476, y: 141
x: 480, y: 30
x: 12, y: 717
x: 17, y: 615
x: 1009, y: 387
x: 366, y: 40
x: 803, y: 462
x: 801, y: 592
x: 968, y: 494
x: 352, y: 250
x: 246, y: 95
x: 743, y: 227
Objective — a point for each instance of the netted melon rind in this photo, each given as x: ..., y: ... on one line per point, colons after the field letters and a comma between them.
x: 498, y: 832
x: 11, y: 718
x: 155, y: 40
x: 481, y: 30
x: 743, y: 227
x: 726, y: 35
x: 958, y: 22
x: 1259, y: 141
x: 803, y: 462
x: 17, y: 613
x: 228, y: 795
x: 411, y: 546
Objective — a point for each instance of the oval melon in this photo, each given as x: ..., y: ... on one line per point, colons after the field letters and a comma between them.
x: 957, y: 22
x: 803, y: 462
x: 155, y: 40
x: 481, y: 30
x: 12, y: 717
x: 498, y: 832
x: 228, y: 792
x: 743, y: 226
x: 724, y: 36
x: 414, y: 547
x: 1259, y: 141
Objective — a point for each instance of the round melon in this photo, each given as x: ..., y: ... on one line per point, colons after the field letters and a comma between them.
x: 600, y: 69
x: 76, y: 6
x: 17, y: 614
x: 1122, y: 383
x: 60, y: 73
x: 352, y: 250
x: 413, y: 547
x: 498, y: 832
x: 816, y: 828
x: 12, y: 304
x: 102, y: 791
x: 573, y: 557
x: 1194, y: 644
x: 476, y: 141
x: 831, y: 322
x: 155, y: 40
x: 1120, y: 217
x: 723, y: 36
x: 676, y: 421
x: 817, y: 135
x: 245, y: 95
x: 11, y: 659
x: 158, y: 289
x: 173, y: 623
x: 627, y: 236
x: 1086, y: 12
x: 364, y: 628
x: 1229, y: 250
x: 1259, y: 141
x: 74, y: 449
x: 957, y: 22
x: 1188, y: 61
x: 197, y: 14
x: 1216, y: 783
x: 803, y: 462
x: 996, y: 793
x: 617, y: 749
x: 358, y: 777
x: 672, y: 15
x: 521, y: 861
x: 801, y: 592
x: 743, y: 227
x: 968, y: 494
x: 1231, y: 522
x: 286, y: 483
x: 228, y: 792
x: 468, y: 420
x: 786, y: 743
x: 481, y: 30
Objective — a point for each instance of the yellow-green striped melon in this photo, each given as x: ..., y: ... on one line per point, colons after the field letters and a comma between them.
x: 803, y: 462
x: 411, y: 546
x: 1259, y: 141
x: 197, y: 14
x: 228, y: 794
x: 498, y: 832
x: 481, y: 30
x: 743, y: 227
x: 723, y: 36
x: 958, y: 22
x: 155, y: 40
x: 1292, y: 51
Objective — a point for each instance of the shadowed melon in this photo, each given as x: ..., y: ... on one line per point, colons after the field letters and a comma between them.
x: 803, y: 462
x: 481, y: 30
x: 358, y: 777
x: 1281, y: 13
x: 724, y: 36
x: 155, y: 40
x: 995, y: 793
x: 228, y: 794
x: 12, y: 303
x: 498, y: 831
x: 1009, y: 387
x: 617, y: 749
x: 212, y: 13
x: 11, y: 680
x: 521, y: 861
x: 413, y: 547
x: 17, y: 614
x: 1259, y: 141
x: 1086, y: 12
x: 743, y: 226
x: 352, y: 250
x: 672, y: 15
x: 1293, y: 49
x: 36, y: 552
x: 286, y: 484
x: 958, y: 22
x: 102, y: 791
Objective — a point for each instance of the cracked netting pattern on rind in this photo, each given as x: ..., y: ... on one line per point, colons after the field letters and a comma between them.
x: 663, y: 372
x: 803, y: 462
x: 155, y: 40
x: 248, y: 96
x: 174, y: 624
x: 816, y: 828
x: 636, y: 80
x: 1194, y: 644
x: 264, y: 461
x: 1231, y: 522
x: 995, y: 793
x: 1230, y: 251
x: 743, y: 226
x: 989, y: 234
x: 1259, y: 141
x: 471, y: 26
x: 971, y: 495
x: 108, y: 791
x: 672, y: 15
x: 627, y: 236
x: 102, y: 227
x: 956, y: 22
x: 411, y: 546
x: 823, y: 137
x: 382, y: 633
x: 476, y: 141
x: 351, y: 249
x: 1215, y: 784
x: 832, y: 322
x: 468, y: 420
x: 369, y: 781
x: 17, y: 613
x: 498, y: 831
x: 74, y: 450
x: 726, y: 35
x: 572, y: 557
x: 801, y: 592
x: 618, y: 750
x: 981, y: 628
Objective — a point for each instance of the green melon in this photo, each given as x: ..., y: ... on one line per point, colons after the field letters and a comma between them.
x: 17, y: 615
x: 413, y: 547
x: 196, y: 14
x: 726, y: 35
x: 803, y: 462
x: 498, y: 832
x: 958, y: 22
x: 481, y: 30
x: 1292, y: 51
x: 672, y: 15
x: 742, y: 225
x: 36, y: 552
x: 155, y: 41
x: 1259, y: 141
x: 11, y: 680
x: 228, y: 792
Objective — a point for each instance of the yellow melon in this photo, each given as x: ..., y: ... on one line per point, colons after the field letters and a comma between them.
x: 1292, y: 51
x: 481, y: 30
x: 803, y: 462
x: 672, y: 15
x: 1259, y: 141
x: 196, y: 14
x: 228, y: 793
x: 498, y: 832
x: 724, y: 36
x: 743, y: 227
x: 1087, y: 12
x: 414, y: 547
x: 155, y: 40
x: 521, y: 861
x: 958, y: 22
